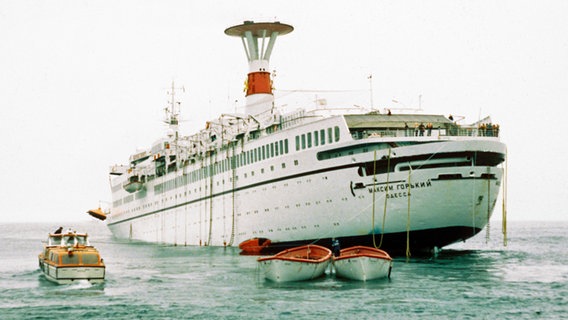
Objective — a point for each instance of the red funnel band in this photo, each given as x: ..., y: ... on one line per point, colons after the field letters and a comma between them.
x: 259, y: 82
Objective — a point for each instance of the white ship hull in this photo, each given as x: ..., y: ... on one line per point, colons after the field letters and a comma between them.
x: 317, y: 200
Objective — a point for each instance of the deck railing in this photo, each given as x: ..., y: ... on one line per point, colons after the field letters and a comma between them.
x: 434, y: 132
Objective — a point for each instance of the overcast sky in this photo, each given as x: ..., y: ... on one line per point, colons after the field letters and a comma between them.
x: 83, y: 83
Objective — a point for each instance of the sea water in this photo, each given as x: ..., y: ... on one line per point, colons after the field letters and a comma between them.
x: 479, y: 279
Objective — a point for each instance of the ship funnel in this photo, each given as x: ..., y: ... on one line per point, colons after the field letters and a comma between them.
x: 258, y: 40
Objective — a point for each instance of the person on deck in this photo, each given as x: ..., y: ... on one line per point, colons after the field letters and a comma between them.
x: 335, y: 247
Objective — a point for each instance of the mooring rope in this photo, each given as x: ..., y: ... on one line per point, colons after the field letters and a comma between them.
x: 233, y: 200
x: 386, y: 198
x: 364, y: 210
x: 210, y: 200
x: 487, y: 234
x: 374, y: 189
x: 408, y: 217
x: 473, y: 193
x: 504, y: 225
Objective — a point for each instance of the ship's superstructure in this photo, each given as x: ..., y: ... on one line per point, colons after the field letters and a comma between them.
x: 392, y: 180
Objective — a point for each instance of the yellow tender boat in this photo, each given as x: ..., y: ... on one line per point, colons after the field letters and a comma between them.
x: 68, y: 257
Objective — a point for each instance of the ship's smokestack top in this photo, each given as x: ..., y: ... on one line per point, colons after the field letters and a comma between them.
x: 258, y: 40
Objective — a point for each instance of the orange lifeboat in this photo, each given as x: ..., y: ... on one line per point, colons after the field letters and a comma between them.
x: 97, y: 213
x: 254, y: 246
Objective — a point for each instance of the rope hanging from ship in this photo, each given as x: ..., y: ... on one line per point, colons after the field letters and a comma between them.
x: 374, y: 181
x: 408, y: 217
x: 386, y: 198
x: 233, y: 202
x: 504, y: 206
x: 364, y: 210
x: 488, y: 227
x: 208, y: 243
x: 473, y: 198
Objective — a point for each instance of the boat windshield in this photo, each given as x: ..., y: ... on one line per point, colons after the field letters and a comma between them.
x: 82, y: 240
x: 54, y: 240
x: 69, y: 240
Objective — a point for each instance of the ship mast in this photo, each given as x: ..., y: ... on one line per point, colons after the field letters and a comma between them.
x: 258, y: 86
x: 173, y: 111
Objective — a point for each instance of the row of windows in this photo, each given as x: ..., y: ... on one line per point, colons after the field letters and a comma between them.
x: 264, y: 152
x: 274, y: 149
x: 317, y: 138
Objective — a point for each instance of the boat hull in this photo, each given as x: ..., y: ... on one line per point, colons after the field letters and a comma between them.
x: 288, y: 271
x: 362, y: 263
x: 296, y: 264
x: 71, y: 274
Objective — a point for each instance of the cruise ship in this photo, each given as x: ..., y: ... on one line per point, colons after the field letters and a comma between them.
x: 401, y: 182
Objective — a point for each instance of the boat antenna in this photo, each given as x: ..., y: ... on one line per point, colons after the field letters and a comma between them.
x: 370, y: 77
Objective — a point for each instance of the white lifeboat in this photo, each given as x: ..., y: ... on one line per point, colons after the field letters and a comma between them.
x: 134, y: 183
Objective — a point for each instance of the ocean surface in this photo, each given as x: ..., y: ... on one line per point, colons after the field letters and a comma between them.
x: 478, y: 279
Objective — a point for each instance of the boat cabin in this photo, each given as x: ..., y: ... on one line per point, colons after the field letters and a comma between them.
x: 67, y: 240
x: 71, y: 249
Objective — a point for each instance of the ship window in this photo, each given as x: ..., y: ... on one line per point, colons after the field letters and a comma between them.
x: 303, y: 141
x: 297, y: 143
x: 263, y: 152
x: 272, y: 150
x: 329, y: 136
x: 322, y: 137
x: 309, y: 139
x: 281, y: 146
x: 286, y: 146
x: 336, y: 133
x: 276, y: 148
x: 316, y: 138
